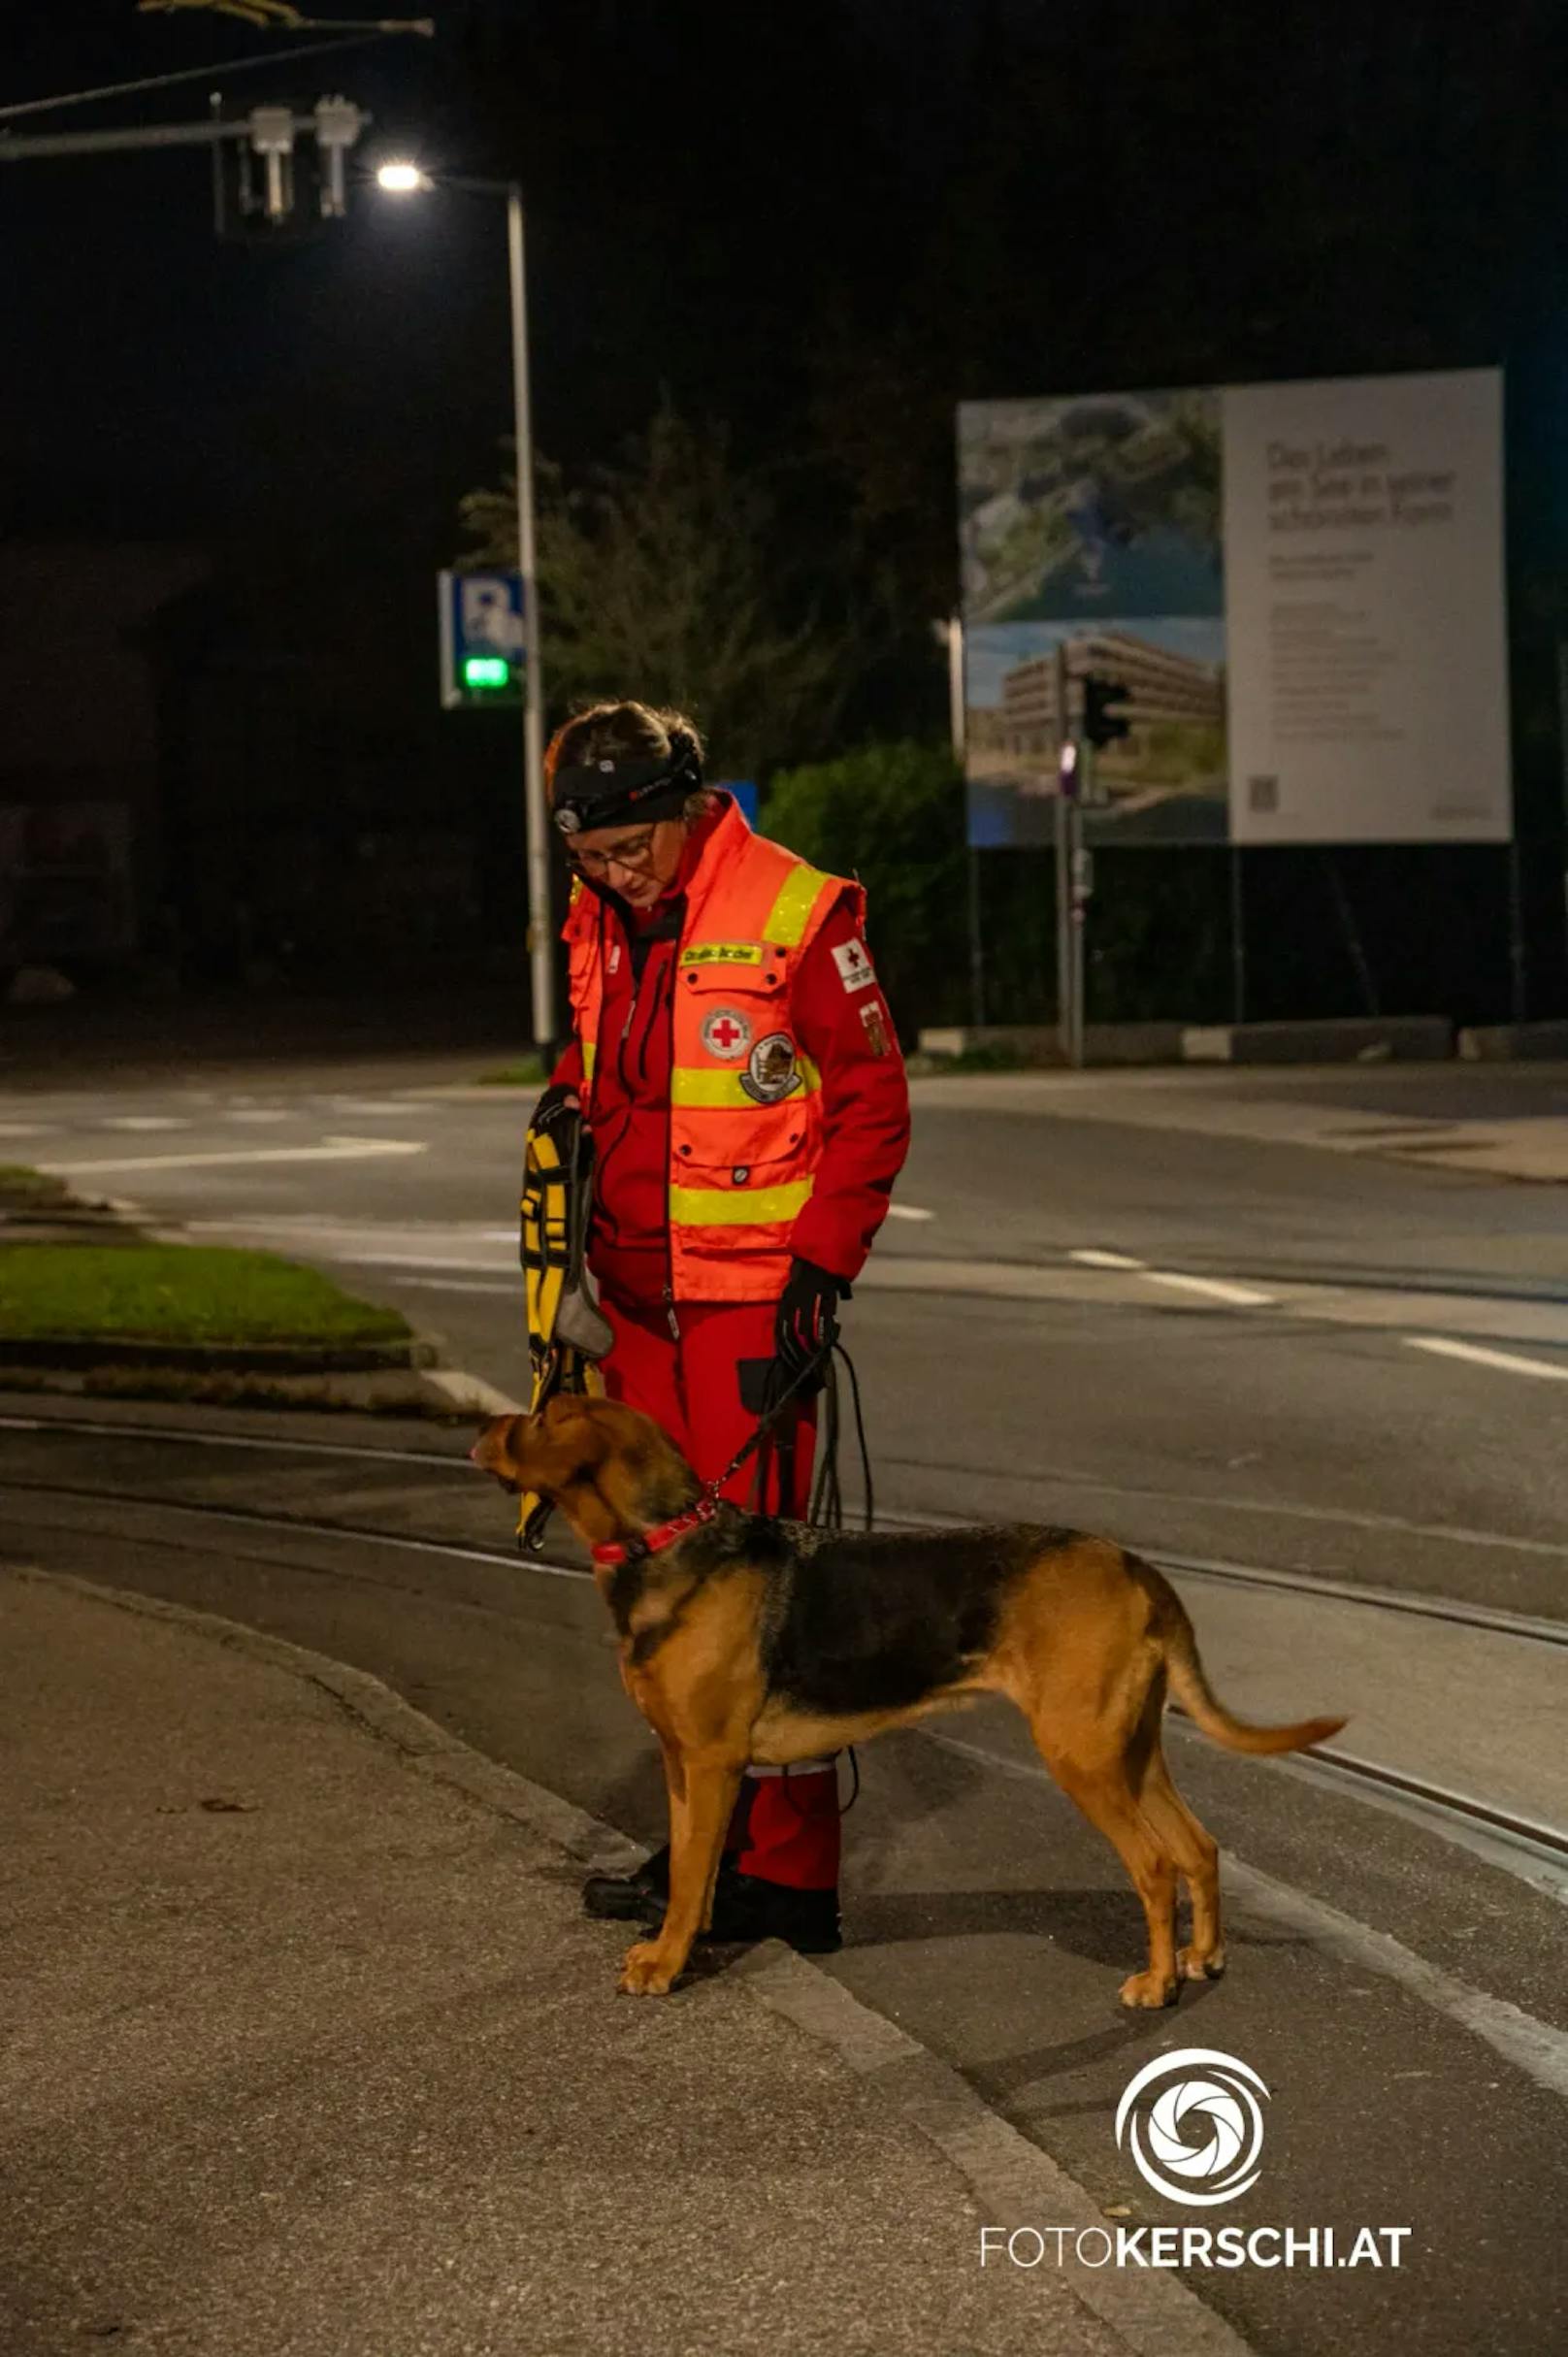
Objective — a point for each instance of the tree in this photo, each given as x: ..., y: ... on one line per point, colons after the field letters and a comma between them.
x: 660, y: 578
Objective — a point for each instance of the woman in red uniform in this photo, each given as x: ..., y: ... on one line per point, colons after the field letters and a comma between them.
x: 741, y: 1078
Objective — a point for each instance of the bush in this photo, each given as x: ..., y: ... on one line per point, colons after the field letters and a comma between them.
x: 892, y: 816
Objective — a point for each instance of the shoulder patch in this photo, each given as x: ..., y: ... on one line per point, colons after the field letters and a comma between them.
x: 854, y: 969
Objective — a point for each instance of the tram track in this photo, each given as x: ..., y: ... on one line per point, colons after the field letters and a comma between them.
x: 1527, y: 1626
x: 1530, y: 1844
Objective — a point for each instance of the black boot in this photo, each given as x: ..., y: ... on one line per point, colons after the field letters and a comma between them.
x: 630, y: 1898
x: 746, y: 1909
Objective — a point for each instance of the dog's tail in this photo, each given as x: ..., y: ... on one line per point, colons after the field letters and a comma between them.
x: 1198, y: 1699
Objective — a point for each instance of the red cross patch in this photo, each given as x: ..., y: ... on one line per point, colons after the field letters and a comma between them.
x: 725, y: 1033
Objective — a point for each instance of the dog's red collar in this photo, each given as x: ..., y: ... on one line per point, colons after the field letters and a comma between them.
x: 662, y: 1535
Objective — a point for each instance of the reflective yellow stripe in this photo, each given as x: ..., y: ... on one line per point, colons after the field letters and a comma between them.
x: 738, y: 1206
x: 590, y: 1049
x: 700, y: 1085
x: 790, y: 913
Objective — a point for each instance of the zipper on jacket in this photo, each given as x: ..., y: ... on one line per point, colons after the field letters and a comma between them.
x: 669, y: 1126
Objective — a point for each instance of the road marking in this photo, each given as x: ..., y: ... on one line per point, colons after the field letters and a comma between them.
x: 1503, y: 1359
x: 1532, y: 2046
x: 334, y: 1150
x: 366, y: 1104
x: 472, y: 1393
x: 908, y: 1211
x: 393, y: 1260
x: 458, y: 1284
x: 1213, y: 1287
x: 255, y: 1113
x: 145, y: 1121
x: 26, y: 1128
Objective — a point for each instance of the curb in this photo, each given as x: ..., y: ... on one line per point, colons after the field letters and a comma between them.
x: 1012, y: 2181
x: 389, y: 1392
x: 72, y: 1354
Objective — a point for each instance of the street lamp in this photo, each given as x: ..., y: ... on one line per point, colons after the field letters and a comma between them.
x: 402, y: 176
x: 402, y: 180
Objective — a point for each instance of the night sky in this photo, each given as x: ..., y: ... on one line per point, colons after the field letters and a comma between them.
x: 824, y: 223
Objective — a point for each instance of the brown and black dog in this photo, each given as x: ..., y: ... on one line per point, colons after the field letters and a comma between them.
x: 746, y: 1639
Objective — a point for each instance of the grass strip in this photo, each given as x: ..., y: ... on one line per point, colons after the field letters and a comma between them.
x: 177, y: 1294
x: 25, y: 1189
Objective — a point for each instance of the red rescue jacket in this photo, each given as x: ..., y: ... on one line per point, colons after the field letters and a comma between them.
x: 740, y: 1074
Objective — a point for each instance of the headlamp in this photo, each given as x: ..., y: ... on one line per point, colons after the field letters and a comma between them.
x: 608, y: 793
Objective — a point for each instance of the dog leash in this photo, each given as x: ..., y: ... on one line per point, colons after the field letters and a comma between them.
x: 706, y: 1503
x: 827, y: 1509
x: 827, y: 1504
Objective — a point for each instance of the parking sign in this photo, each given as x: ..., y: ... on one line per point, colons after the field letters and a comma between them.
x: 481, y: 638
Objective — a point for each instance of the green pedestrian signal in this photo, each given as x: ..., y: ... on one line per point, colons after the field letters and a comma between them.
x: 481, y: 671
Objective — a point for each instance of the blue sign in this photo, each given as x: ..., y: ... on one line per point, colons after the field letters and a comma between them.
x: 745, y: 793
x: 481, y: 638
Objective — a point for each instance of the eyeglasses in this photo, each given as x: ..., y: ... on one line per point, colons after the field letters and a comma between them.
x: 632, y: 855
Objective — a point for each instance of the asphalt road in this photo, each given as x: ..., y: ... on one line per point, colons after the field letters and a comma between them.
x: 1210, y: 1345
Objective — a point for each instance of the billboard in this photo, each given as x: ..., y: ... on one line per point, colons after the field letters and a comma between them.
x: 1299, y: 585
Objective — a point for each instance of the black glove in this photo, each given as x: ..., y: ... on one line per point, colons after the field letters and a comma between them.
x: 806, y: 1325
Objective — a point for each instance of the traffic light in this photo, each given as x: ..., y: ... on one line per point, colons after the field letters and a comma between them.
x: 1104, y: 721
x: 486, y: 675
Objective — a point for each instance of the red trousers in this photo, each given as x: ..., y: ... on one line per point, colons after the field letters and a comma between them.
x: 785, y: 1828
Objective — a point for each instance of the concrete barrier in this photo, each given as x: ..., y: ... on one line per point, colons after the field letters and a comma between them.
x: 1353, y: 1039
x: 1037, y: 1043
x: 1426, y: 1038
x: 1515, y: 1042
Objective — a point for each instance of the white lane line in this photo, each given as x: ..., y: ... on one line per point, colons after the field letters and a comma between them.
x: 398, y: 1260
x: 1505, y: 1360
x: 1087, y: 1258
x: 472, y: 1393
x: 334, y: 1150
x: 908, y: 1211
x: 460, y: 1284
x: 1532, y: 2046
x: 1213, y: 1288
x: 255, y: 1113
x: 26, y: 1128
x: 145, y: 1121
x: 377, y: 1105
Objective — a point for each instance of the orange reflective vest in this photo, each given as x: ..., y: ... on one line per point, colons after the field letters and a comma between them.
x: 745, y: 1101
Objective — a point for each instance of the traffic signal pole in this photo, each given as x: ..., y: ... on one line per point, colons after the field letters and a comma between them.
x: 1102, y: 719
x: 1066, y: 781
x: 541, y: 930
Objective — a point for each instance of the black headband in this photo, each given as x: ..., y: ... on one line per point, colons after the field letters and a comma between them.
x: 607, y: 793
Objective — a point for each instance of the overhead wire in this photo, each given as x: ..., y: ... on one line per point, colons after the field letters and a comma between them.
x: 229, y: 67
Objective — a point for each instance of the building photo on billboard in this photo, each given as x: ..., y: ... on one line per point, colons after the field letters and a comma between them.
x: 1298, y: 588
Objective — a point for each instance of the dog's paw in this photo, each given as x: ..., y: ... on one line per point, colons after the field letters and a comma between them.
x: 1196, y: 1965
x: 1147, y: 1990
x: 645, y: 1970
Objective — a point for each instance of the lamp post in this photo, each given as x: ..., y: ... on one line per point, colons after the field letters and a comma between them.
x: 406, y: 179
